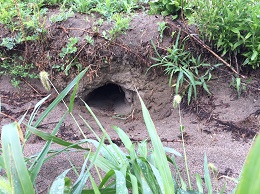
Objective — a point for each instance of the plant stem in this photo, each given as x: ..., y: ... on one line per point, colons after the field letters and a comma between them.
x: 184, y: 150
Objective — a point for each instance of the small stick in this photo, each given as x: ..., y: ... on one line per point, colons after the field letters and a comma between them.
x: 10, y: 117
x: 212, y: 52
x: 32, y: 87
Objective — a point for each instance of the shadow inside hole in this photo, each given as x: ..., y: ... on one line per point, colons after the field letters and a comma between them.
x: 109, y: 97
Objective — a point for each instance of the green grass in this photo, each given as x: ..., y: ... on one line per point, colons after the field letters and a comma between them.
x: 141, y: 168
x: 233, y: 27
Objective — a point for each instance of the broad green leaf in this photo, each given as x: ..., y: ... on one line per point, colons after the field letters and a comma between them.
x: 144, y: 185
x: 199, y: 183
x: 207, y: 175
x: 15, y: 166
x: 160, y: 156
x: 59, y: 183
x: 120, y: 183
x: 250, y: 179
x: 5, y: 187
x: 149, y: 176
x: 124, y: 137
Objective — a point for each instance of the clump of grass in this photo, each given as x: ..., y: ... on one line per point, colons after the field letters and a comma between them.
x: 139, y: 169
x: 233, y: 27
x: 187, y: 68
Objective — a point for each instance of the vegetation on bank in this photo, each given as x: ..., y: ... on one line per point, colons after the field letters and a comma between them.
x: 231, y: 28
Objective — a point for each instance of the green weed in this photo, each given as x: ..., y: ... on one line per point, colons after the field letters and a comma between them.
x: 17, y: 70
x: 62, y: 16
x: 169, y: 7
x: 161, y: 28
x: 188, y: 69
x: 121, y: 24
x: 70, y: 47
x: 89, y: 39
x: 138, y: 169
x: 232, y: 25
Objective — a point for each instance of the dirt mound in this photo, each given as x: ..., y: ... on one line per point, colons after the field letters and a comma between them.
x: 117, y: 69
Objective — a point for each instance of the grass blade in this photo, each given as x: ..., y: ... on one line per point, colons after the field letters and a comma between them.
x: 123, y: 136
x: 82, y: 179
x: 49, y: 137
x: 37, y: 164
x: 102, y: 191
x: 207, y: 175
x: 199, y: 183
x: 72, y: 98
x: 134, y: 184
x: 59, y: 184
x: 120, y: 182
x: 5, y: 186
x: 160, y: 156
x: 250, y: 179
x: 14, y: 161
x: 60, y: 97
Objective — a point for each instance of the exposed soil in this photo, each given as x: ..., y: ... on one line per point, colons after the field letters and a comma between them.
x: 219, y: 125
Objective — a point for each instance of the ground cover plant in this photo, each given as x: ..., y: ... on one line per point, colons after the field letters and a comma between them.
x: 139, y: 169
x: 233, y: 26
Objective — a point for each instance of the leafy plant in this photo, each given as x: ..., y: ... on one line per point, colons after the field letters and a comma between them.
x: 233, y: 26
x: 169, y: 7
x: 20, y: 179
x: 16, y: 69
x: 63, y: 16
x: 70, y: 48
x: 181, y: 62
x: 89, y: 39
x: 28, y: 22
x: 140, y: 169
x: 161, y: 27
x: 10, y: 43
x: 121, y: 24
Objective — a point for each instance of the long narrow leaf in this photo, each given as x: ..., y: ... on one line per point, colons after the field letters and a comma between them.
x: 149, y: 176
x: 250, y: 180
x: 14, y: 160
x: 199, y: 183
x: 48, y: 137
x: 60, y: 97
x: 123, y: 136
x: 59, y: 183
x: 207, y: 175
x: 82, y: 179
x: 37, y: 164
x: 5, y: 187
x: 160, y: 157
x: 120, y: 183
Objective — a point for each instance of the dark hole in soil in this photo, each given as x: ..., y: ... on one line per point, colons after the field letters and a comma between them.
x: 109, y: 97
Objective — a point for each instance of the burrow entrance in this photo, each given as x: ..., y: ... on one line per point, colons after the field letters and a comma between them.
x: 111, y: 98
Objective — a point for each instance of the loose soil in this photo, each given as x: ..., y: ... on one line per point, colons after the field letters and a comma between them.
x: 220, y: 125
